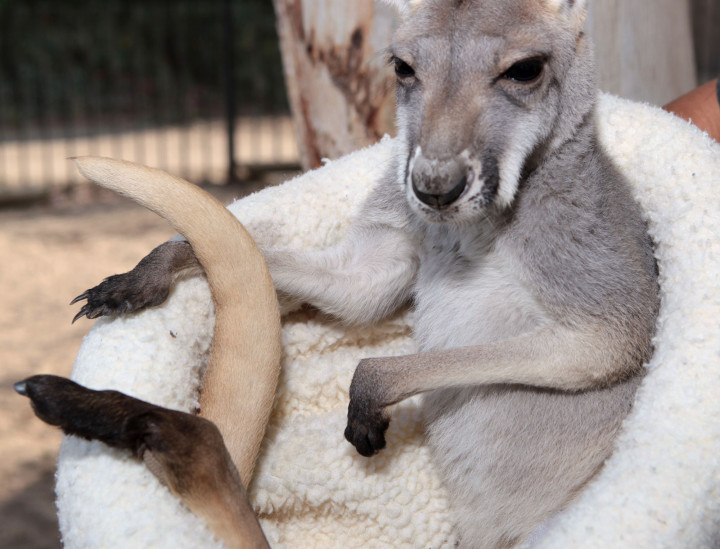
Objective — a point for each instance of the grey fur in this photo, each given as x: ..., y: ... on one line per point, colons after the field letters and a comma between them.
x: 535, y: 290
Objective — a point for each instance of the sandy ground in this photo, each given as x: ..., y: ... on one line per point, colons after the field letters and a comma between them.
x: 50, y: 254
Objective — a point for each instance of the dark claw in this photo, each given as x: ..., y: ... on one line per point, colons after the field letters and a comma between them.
x: 21, y: 388
x: 147, y: 285
x: 81, y: 313
x: 80, y: 297
x: 124, y: 293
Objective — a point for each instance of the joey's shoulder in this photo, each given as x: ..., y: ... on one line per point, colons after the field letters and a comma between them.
x: 387, y: 203
x: 578, y: 178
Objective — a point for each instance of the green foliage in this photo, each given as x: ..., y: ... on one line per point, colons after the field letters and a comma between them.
x: 76, y: 59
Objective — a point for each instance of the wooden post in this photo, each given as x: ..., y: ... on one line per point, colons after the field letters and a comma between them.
x: 643, y: 48
x: 339, y: 86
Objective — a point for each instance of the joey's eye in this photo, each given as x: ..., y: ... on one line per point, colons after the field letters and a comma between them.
x: 525, y: 71
x: 402, y: 69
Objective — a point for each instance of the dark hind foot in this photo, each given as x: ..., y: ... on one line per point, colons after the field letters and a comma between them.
x: 114, y: 418
x: 185, y: 452
x: 147, y: 285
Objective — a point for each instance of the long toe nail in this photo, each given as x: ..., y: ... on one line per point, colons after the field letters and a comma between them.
x: 21, y: 388
x: 79, y: 298
x: 82, y: 313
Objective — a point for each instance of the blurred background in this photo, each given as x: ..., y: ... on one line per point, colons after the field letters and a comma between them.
x: 161, y: 82
x: 230, y: 94
x: 197, y: 88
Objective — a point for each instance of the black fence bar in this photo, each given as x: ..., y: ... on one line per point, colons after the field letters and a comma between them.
x: 228, y: 33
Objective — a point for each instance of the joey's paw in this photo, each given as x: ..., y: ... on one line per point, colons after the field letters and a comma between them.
x: 366, y: 427
x: 123, y: 293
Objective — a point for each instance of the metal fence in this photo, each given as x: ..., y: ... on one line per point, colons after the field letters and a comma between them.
x: 192, y: 87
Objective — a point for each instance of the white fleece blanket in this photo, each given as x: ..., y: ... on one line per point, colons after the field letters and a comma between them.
x: 661, y: 488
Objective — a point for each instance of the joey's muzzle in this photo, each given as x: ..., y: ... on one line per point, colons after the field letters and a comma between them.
x: 439, y: 183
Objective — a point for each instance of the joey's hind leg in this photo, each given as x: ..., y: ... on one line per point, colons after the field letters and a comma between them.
x: 185, y: 452
x: 147, y: 285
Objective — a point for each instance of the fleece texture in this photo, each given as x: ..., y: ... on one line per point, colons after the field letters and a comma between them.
x: 661, y: 487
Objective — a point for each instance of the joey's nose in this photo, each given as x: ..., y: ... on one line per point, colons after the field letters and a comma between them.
x: 439, y: 183
x: 441, y: 200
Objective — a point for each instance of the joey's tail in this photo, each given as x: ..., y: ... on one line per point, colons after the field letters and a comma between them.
x: 239, y: 384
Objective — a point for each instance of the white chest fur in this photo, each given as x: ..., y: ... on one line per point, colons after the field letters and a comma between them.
x: 469, y: 291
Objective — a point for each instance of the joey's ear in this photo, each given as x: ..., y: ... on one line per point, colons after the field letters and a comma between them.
x: 403, y: 7
x: 575, y: 11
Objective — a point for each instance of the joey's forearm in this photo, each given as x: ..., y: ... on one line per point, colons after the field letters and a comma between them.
x: 362, y: 279
x: 553, y: 357
x: 358, y: 281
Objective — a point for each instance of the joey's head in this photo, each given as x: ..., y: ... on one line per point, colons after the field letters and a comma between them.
x: 483, y: 86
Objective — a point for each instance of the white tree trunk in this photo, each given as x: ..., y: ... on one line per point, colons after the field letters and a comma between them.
x: 338, y: 83
x: 341, y: 93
